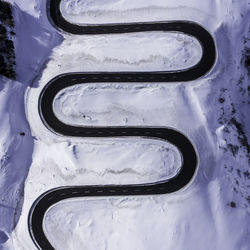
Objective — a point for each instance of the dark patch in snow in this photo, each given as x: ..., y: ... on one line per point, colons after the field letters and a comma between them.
x: 247, y: 62
x: 232, y: 204
x: 246, y: 174
x: 7, y: 50
x: 240, y: 83
x: 246, y: 53
x: 241, y: 134
x: 3, y: 237
x: 3, y: 161
x: 221, y: 100
x: 238, y: 172
x: 248, y: 199
x: 233, y: 148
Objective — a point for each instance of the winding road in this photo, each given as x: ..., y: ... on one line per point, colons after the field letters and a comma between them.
x: 187, y: 150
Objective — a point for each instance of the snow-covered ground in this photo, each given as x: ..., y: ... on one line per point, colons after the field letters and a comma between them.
x: 213, y: 212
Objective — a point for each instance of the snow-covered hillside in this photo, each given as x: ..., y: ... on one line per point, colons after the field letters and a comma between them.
x: 212, y: 212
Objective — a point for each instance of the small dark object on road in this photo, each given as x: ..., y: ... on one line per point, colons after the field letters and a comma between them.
x: 22, y: 134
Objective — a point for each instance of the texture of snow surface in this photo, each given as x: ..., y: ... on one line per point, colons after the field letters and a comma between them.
x: 212, y: 212
x: 160, y: 51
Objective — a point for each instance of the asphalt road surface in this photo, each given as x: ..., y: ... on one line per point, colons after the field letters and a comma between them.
x: 189, y: 156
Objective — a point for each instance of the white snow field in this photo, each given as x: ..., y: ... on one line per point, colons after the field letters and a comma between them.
x: 212, y: 212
